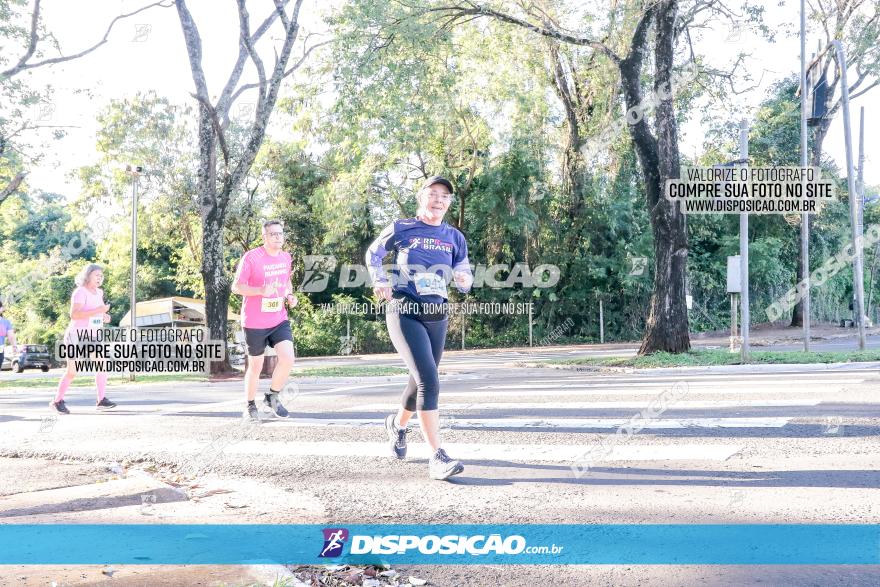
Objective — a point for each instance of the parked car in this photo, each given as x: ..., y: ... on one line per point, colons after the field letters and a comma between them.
x: 30, y: 356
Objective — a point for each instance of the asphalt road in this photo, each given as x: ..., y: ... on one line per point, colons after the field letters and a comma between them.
x: 484, y: 358
x: 773, y: 444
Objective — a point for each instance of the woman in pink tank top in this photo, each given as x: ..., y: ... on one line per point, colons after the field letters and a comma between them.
x: 87, y: 312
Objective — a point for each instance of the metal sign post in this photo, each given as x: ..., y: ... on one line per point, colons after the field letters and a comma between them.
x: 734, y: 284
x: 530, y: 323
x: 744, y: 250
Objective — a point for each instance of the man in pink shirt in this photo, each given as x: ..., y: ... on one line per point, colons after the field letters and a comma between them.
x: 263, y: 279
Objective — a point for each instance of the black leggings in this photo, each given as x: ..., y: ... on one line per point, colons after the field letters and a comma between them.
x: 421, y: 346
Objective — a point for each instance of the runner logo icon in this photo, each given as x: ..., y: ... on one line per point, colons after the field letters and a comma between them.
x: 334, y: 540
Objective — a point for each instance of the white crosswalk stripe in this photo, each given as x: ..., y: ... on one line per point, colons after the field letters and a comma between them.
x: 503, y: 452
x: 539, y: 384
x: 783, y: 377
x: 602, y: 405
x: 524, y: 423
x: 565, y: 453
x: 654, y: 390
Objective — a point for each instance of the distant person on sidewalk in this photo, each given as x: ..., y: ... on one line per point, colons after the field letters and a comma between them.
x: 6, y: 331
x: 88, y: 312
x: 263, y: 280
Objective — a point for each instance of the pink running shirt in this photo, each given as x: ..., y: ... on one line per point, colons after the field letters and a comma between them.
x: 89, y: 301
x: 259, y: 268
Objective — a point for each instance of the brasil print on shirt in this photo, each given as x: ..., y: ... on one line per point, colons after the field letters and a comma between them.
x: 426, y: 257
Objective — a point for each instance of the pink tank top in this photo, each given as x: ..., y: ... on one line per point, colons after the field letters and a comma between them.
x: 89, y: 301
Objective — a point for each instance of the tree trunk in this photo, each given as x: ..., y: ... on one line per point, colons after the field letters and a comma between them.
x: 574, y: 178
x: 666, y: 328
x: 574, y: 172
x: 462, y: 199
x: 216, y: 282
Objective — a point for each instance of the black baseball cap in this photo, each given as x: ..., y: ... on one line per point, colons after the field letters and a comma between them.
x: 435, y: 179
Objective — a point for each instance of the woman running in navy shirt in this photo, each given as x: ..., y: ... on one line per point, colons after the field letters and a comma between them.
x: 429, y: 254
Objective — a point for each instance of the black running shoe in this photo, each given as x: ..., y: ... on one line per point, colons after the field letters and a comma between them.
x: 105, y: 404
x: 397, y: 437
x: 271, y: 402
x: 251, y: 413
x: 59, y: 407
x: 442, y: 467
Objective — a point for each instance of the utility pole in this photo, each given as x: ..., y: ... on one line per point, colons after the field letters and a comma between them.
x: 860, y: 178
x: 805, y: 218
x: 858, y: 270
x: 135, y: 171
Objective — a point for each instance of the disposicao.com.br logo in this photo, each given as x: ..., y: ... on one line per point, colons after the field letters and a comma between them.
x: 431, y: 544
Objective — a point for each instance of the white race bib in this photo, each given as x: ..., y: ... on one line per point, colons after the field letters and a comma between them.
x: 430, y: 284
x: 96, y: 321
x: 270, y: 305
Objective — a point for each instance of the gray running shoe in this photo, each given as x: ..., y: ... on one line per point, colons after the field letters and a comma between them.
x: 271, y: 402
x: 59, y: 407
x: 397, y: 437
x: 442, y: 467
x: 105, y: 404
x: 251, y: 413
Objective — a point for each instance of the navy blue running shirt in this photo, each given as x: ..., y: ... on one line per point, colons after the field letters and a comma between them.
x: 426, y: 257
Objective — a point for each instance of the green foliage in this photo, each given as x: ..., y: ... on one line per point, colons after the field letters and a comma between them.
x: 477, y: 102
x: 318, y: 330
x: 40, y: 252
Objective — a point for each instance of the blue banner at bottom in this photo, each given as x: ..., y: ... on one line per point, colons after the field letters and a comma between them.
x: 649, y: 544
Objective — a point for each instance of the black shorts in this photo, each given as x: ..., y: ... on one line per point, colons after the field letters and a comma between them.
x: 258, y: 338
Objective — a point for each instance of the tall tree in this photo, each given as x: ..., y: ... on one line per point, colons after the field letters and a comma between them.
x: 223, y: 165
x: 657, y: 149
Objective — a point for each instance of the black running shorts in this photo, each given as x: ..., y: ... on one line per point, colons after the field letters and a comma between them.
x: 258, y: 338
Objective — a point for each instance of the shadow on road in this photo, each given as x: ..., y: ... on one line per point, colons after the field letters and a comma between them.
x: 622, y: 476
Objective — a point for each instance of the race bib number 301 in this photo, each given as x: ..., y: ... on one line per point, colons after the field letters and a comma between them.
x: 270, y: 305
x: 430, y: 284
x: 96, y: 321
